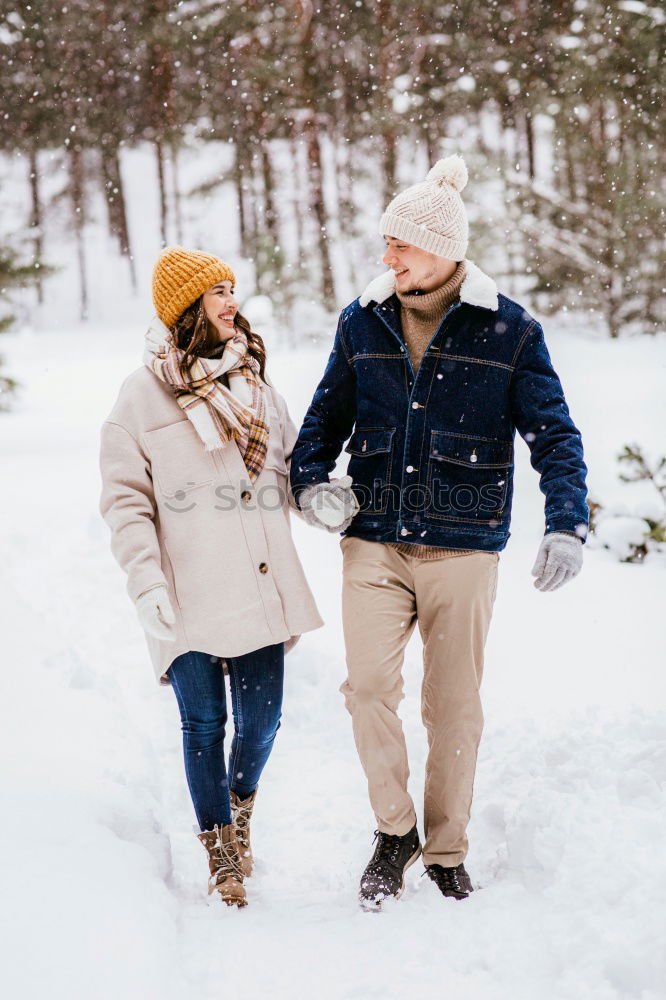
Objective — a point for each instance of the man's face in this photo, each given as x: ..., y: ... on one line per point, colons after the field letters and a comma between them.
x: 414, y: 268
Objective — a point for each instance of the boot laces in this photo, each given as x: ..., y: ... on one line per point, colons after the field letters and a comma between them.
x: 242, y: 815
x: 227, y: 864
x: 388, y: 847
x: 447, y: 878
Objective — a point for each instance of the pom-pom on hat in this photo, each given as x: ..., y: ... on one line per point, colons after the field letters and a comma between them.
x: 180, y: 276
x: 431, y: 215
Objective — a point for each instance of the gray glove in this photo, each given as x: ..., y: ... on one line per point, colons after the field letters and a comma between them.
x: 559, y: 559
x: 331, y: 506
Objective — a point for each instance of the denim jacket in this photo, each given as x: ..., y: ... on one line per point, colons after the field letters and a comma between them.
x: 431, y: 452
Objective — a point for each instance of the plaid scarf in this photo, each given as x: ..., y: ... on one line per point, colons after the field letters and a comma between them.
x: 218, y: 413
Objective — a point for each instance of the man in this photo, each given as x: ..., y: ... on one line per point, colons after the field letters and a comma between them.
x: 433, y: 371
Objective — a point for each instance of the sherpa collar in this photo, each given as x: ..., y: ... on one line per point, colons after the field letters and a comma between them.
x: 477, y: 288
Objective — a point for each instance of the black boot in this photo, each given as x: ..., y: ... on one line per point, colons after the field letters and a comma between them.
x: 453, y: 882
x: 385, y: 873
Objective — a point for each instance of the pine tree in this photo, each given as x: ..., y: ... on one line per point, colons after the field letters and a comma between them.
x: 596, y: 237
x: 13, y: 274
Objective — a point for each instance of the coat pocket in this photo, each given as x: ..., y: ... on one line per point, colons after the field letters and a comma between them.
x: 180, y: 463
x: 468, y: 477
x: 371, y: 449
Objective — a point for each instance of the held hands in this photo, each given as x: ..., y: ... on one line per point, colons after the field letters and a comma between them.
x: 156, y: 614
x: 331, y: 506
x: 559, y: 559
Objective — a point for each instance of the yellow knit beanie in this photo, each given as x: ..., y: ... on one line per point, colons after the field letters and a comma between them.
x: 180, y: 276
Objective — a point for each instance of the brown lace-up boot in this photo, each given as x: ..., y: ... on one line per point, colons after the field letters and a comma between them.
x: 226, y: 872
x: 241, y: 810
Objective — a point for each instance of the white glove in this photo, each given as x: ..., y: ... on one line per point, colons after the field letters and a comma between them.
x: 559, y: 559
x: 156, y: 614
x: 331, y: 506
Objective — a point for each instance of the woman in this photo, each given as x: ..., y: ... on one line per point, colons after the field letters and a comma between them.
x: 195, y: 457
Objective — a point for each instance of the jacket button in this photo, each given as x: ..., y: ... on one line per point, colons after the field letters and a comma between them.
x: 263, y: 567
x: 246, y: 496
x: 415, y: 406
x: 410, y: 468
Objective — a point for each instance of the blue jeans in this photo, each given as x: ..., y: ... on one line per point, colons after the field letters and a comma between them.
x: 256, y: 681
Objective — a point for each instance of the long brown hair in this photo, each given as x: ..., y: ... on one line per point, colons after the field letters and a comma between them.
x: 195, y: 334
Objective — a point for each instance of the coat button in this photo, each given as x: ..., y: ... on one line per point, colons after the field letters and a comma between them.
x: 415, y: 406
x: 263, y: 567
x: 246, y: 496
x: 410, y: 468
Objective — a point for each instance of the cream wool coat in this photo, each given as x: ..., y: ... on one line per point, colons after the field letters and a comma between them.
x: 193, y: 520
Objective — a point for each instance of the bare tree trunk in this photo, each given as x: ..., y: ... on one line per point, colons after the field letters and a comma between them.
x: 175, y: 180
x: 115, y: 203
x: 389, y: 161
x: 76, y: 193
x: 108, y: 181
x: 620, y: 117
x: 431, y: 145
x: 297, y: 189
x: 611, y: 303
x: 519, y: 141
x: 308, y: 70
x: 311, y: 131
x: 162, y: 190
x: 36, y: 220
x: 529, y: 141
x: 244, y: 182
x: 272, y: 252
x: 504, y: 152
x: 569, y: 161
x: 508, y: 141
x: 123, y: 227
x: 249, y: 199
x: 160, y: 98
x: 258, y: 248
x: 260, y: 238
x: 240, y: 200
x: 270, y: 215
x: 387, y: 23
x: 601, y: 122
x: 344, y: 190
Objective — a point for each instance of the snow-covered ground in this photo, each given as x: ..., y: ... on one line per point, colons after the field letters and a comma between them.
x: 104, y: 882
x: 103, y: 879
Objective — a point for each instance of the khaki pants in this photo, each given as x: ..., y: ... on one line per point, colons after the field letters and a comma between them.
x: 384, y: 594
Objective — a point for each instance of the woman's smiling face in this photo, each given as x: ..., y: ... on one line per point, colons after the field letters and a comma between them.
x: 221, y: 308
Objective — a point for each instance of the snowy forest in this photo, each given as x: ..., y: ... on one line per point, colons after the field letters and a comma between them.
x: 273, y: 135
x: 323, y: 107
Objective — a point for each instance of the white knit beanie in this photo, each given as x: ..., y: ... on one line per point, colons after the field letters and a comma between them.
x: 431, y: 215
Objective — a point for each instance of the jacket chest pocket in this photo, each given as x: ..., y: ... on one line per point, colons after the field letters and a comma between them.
x: 370, y: 466
x: 468, y: 477
x: 180, y: 464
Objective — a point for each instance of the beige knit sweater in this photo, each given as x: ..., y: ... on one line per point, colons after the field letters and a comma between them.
x: 420, y: 315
